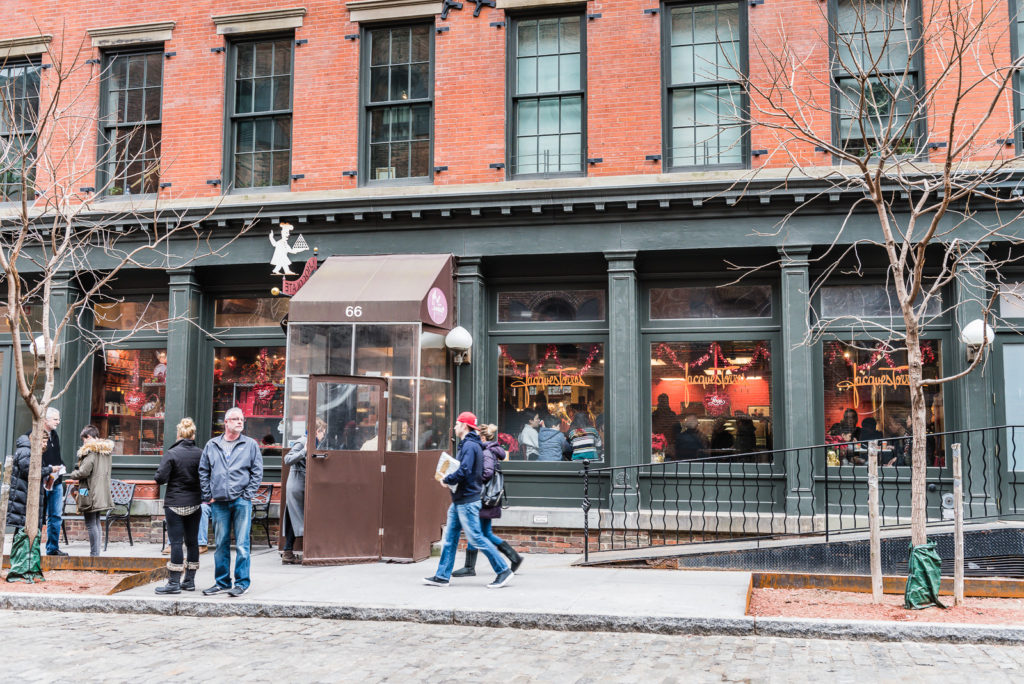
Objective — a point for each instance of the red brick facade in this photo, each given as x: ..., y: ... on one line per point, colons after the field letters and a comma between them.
x: 623, y: 101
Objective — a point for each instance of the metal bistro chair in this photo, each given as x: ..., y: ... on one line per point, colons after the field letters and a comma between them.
x: 121, y: 494
x: 261, y: 510
x: 70, y: 499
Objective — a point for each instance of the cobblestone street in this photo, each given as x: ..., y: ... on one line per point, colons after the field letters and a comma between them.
x: 42, y: 647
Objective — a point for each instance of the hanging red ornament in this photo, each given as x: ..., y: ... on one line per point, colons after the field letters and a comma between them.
x: 716, y: 404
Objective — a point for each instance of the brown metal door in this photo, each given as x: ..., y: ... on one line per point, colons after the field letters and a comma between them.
x: 344, y: 479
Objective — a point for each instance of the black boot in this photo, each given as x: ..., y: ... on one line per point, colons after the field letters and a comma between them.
x: 189, y: 583
x: 469, y: 570
x: 513, y: 557
x: 173, y: 585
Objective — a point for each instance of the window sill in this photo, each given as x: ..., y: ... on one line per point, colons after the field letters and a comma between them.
x: 399, y: 182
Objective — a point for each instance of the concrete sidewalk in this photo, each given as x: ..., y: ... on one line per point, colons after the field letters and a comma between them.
x: 547, y: 593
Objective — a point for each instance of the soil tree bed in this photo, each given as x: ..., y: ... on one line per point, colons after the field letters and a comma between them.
x: 842, y: 605
x: 67, y: 582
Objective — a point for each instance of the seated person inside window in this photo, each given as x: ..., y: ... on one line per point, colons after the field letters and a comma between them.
x: 552, y: 445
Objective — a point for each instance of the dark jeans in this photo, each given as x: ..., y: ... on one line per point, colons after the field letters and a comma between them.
x: 54, y: 515
x: 92, y: 525
x: 289, y: 534
x: 183, y: 528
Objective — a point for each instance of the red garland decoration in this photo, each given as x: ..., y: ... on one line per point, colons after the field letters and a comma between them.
x: 714, y: 353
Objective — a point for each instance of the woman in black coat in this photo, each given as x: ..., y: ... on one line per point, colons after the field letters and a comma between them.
x: 17, y: 506
x: 179, y: 470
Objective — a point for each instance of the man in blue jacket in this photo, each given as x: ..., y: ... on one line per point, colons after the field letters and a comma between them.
x: 464, y: 513
x: 230, y: 472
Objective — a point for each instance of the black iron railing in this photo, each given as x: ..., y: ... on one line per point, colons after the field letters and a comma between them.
x: 811, y: 490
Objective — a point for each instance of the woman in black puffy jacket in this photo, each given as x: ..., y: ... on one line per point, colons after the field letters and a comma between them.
x: 17, y: 505
x: 179, y: 470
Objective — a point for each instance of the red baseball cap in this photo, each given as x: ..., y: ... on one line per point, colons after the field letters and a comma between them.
x: 467, y: 419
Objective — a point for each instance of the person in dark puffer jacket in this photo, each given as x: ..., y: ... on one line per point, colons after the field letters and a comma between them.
x: 17, y: 506
x: 494, y: 454
x: 179, y: 470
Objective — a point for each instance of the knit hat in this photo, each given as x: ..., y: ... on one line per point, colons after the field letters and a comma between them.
x: 467, y: 419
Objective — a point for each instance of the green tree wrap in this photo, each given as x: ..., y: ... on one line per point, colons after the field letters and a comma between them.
x: 923, y: 578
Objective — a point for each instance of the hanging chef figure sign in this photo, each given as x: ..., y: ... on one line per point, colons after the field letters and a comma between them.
x: 280, y: 261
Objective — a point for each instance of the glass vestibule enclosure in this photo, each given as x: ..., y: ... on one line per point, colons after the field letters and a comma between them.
x: 367, y: 365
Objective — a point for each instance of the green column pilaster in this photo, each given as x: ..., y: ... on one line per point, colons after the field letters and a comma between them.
x: 183, y: 344
x: 797, y: 361
x: 471, y: 379
x: 75, y: 405
x: 622, y: 362
x: 973, y: 394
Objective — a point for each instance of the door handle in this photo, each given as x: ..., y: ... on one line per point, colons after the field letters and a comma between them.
x: 319, y: 454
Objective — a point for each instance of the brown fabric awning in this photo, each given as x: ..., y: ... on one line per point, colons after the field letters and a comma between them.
x: 400, y: 288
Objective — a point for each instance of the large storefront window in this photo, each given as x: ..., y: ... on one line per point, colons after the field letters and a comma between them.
x: 250, y: 312
x: 710, y: 399
x: 551, y: 305
x: 132, y: 314
x: 128, y: 399
x: 867, y: 397
x: 251, y: 378
x: 548, y: 392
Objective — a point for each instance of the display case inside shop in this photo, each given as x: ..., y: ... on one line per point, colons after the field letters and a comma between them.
x: 129, y: 392
x: 251, y: 378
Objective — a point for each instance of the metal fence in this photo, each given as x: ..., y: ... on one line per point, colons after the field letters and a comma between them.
x: 815, y: 490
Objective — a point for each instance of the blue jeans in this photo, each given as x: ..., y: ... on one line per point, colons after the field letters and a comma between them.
x: 466, y: 517
x: 485, y: 529
x: 204, y: 525
x: 54, y: 517
x: 231, y: 516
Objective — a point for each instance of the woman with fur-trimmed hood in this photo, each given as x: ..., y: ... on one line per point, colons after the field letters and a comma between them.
x: 93, y: 475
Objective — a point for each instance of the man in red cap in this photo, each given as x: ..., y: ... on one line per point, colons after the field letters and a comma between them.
x: 464, y: 513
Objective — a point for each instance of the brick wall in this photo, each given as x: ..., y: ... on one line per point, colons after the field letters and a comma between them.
x: 624, y: 94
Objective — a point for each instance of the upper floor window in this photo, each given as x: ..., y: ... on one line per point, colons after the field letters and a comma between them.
x: 705, y: 100
x: 130, y: 116
x: 548, y: 93
x: 260, y: 107
x: 877, y: 74
x: 398, y: 82
x: 19, y: 109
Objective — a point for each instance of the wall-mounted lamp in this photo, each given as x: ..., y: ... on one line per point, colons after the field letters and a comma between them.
x: 459, y: 341
x: 38, y: 347
x: 976, y: 335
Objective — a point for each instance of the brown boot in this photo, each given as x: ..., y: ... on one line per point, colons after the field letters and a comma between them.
x: 289, y: 558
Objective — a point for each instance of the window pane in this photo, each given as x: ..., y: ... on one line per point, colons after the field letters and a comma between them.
x: 547, y: 37
x: 386, y: 350
x: 569, y: 72
x: 526, y: 75
x: 378, y: 84
x: 283, y: 57
x: 867, y: 397
x: 246, y: 136
x: 527, y: 119
x: 152, y: 111
x: 419, y: 161
x: 839, y: 301
x: 551, y: 399
x: 264, y: 134
x: 419, y: 85
x: 380, y: 47
x: 244, y: 59
x: 263, y: 90
x: 262, y: 164
x: 547, y: 74
x: 251, y: 378
x: 434, y: 415
x: 400, y: 46
x: 133, y: 108
x: 711, y: 399
x: 400, y: 82
x: 154, y: 69
x: 137, y: 314
x: 282, y: 93
x: 243, y: 171
x: 319, y: 349
x: 421, y: 44
x: 527, y: 38
x: 421, y: 121
x: 283, y: 133
x: 730, y: 301
x: 128, y: 398
x: 401, y: 409
x: 570, y: 36
x: 136, y: 72
x: 280, y: 172
x: 263, y: 64
x: 548, y: 115
x: 572, y: 115
x: 243, y: 97
x: 250, y: 312
x: 551, y: 305
x: 1011, y: 300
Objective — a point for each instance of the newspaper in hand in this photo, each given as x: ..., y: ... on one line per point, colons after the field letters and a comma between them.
x: 446, y: 465
x: 51, y: 479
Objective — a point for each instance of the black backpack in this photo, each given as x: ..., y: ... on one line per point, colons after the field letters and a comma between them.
x: 494, y: 490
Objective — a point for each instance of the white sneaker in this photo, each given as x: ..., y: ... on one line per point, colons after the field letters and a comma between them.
x: 501, y: 580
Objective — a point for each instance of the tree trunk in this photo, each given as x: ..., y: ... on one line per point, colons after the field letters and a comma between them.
x: 38, y: 440
x: 918, y: 417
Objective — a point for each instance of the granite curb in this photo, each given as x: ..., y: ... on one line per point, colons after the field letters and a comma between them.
x: 797, y: 628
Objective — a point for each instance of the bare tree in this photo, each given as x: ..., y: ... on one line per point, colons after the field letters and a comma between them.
x: 59, y: 231
x: 915, y: 111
